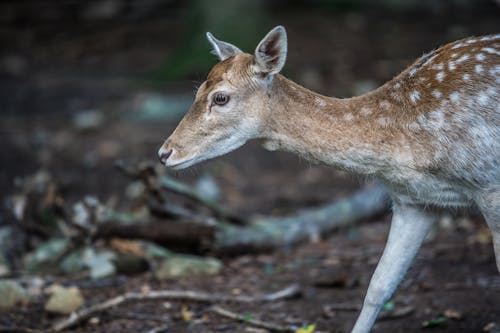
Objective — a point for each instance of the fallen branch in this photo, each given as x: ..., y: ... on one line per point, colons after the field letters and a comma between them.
x: 268, y: 233
x: 76, y: 317
x: 175, y: 233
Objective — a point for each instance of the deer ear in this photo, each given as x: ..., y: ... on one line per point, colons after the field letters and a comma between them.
x: 222, y: 49
x: 270, y: 54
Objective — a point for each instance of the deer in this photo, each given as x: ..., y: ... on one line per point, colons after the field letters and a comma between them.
x: 431, y: 135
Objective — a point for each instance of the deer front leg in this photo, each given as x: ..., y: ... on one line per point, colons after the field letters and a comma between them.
x: 409, y: 227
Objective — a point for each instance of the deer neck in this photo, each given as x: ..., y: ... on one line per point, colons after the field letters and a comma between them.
x: 350, y: 134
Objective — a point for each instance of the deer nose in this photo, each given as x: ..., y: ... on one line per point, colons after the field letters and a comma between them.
x: 164, y: 154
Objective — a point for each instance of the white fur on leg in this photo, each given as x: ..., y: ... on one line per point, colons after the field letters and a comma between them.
x: 489, y: 204
x: 409, y: 227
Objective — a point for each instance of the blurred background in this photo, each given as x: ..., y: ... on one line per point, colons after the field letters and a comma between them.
x: 84, y: 84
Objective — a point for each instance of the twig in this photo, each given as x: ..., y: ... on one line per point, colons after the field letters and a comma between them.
x: 397, y: 313
x: 342, y: 307
x: 76, y: 317
x: 255, y: 322
x: 158, y: 329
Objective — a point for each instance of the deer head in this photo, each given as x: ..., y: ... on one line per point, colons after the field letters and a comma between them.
x: 231, y: 105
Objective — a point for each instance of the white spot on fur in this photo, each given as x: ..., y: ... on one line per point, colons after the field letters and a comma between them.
x: 478, y: 69
x: 439, y: 66
x: 412, y: 72
x: 421, y: 119
x: 495, y: 70
x: 348, y: 116
x: 490, y: 50
x: 456, y: 46
x: 414, y: 126
x: 480, y: 57
x: 466, y: 77
x: 436, y: 120
x: 414, y: 96
x: 454, y: 55
x: 365, y: 111
x: 483, y: 98
x: 385, y: 105
x: 436, y: 93
x: 383, y: 121
x: 455, y: 97
x: 396, y: 95
x: 487, y: 38
x: 440, y: 76
x: 471, y: 41
x: 462, y: 58
x: 451, y: 66
x: 320, y: 102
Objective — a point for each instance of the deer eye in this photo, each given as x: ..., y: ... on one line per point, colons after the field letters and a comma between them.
x: 220, y: 99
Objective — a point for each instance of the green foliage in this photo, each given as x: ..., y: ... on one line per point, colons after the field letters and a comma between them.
x: 239, y: 22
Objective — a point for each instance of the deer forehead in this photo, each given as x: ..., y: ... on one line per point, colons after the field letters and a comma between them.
x: 234, y: 70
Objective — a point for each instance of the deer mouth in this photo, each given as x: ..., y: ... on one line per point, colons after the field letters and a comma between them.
x: 182, y: 164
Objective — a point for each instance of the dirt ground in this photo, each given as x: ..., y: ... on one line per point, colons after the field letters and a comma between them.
x: 63, y: 71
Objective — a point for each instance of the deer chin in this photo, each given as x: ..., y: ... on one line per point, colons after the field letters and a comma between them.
x: 182, y: 164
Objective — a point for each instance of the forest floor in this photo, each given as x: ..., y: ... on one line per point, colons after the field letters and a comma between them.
x: 454, y: 277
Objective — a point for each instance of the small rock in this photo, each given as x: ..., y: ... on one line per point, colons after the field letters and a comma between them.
x: 42, y: 259
x: 12, y: 294
x: 491, y: 327
x: 88, y: 119
x: 184, y: 265
x: 4, y: 266
x: 72, y: 262
x: 207, y: 187
x: 64, y: 300
x: 153, y: 250
x: 452, y: 314
x: 135, y: 189
x: 100, y: 264
x: 34, y: 286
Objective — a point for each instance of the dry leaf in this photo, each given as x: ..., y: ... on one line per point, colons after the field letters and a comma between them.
x: 452, y: 314
x: 186, y: 314
x: 306, y: 329
x: 127, y: 246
